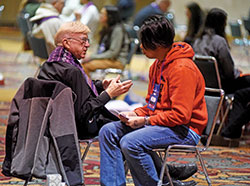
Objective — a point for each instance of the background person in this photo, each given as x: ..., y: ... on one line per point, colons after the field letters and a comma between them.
x: 113, y: 46
x: 47, y: 21
x: 126, y: 9
x: 212, y: 41
x: 239, y: 115
x: 158, y: 7
x: 88, y: 14
x: 196, y: 18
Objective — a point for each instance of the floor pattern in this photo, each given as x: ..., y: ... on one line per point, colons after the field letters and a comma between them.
x: 226, y: 166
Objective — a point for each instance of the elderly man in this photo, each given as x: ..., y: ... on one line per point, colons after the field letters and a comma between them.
x: 47, y: 21
x: 91, y: 96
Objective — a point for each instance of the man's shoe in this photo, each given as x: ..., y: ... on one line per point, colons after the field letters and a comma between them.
x: 182, y: 171
x: 180, y: 183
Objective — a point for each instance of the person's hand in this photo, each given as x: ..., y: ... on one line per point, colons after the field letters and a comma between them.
x: 124, y: 116
x: 135, y: 122
x: 116, y: 87
x: 129, y: 114
x: 106, y: 83
x: 78, y: 16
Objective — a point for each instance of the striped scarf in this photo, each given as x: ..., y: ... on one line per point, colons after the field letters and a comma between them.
x: 60, y: 54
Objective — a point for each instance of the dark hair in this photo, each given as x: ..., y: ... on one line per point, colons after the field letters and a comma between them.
x: 215, y: 23
x: 196, y: 20
x: 113, y: 15
x: 113, y: 19
x: 156, y: 31
x: 217, y: 19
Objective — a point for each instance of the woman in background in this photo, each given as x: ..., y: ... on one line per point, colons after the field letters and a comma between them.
x: 195, y: 17
x: 113, y: 45
x: 212, y: 41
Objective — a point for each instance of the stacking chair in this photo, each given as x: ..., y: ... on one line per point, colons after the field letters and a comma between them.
x: 246, y: 23
x: 22, y: 20
x: 38, y: 46
x: 239, y: 38
x: 24, y: 26
x: 209, y: 69
x: 214, y: 99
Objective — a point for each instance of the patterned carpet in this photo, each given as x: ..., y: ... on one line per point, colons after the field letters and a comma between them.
x: 226, y: 166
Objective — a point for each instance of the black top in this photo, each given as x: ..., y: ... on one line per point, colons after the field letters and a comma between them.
x: 90, y: 113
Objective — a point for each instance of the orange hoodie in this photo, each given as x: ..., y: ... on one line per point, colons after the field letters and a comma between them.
x: 181, y: 99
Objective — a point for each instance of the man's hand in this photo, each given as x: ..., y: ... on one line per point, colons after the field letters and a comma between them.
x: 116, y: 87
x: 124, y: 116
x: 135, y: 122
x: 106, y: 83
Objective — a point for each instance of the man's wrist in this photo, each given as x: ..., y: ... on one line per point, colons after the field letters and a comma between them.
x: 146, y: 120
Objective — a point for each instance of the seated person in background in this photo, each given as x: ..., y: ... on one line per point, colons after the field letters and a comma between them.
x: 113, y: 46
x: 195, y: 17
x: 239, y: 115
x: 88, y: 14
x: 175, y: 113
x: 157, y: 7
x: 30, y: 6
x: 63, y: 65
x: 212, y: 41
x: 47, y: 21
x: 126, y: 9
x: 69, y: 8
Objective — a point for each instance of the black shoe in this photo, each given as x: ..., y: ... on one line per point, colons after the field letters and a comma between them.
x: 182, y: 171
x: 180, y: 183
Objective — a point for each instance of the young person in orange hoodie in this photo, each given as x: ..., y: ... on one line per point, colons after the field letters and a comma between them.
x: 175, y: 112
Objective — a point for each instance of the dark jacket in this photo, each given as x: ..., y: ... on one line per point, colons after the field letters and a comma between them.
x: 90, y: 112
x: 217, y: 47
x: 41, y: 136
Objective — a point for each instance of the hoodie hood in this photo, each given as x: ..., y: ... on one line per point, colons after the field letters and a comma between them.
x: 179, y: 50
x: 45, y: 10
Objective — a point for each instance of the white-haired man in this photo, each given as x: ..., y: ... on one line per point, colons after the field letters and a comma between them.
x: 62, y: 65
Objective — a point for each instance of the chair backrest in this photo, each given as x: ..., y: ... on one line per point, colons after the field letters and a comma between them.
x: 246, y: 23
x: 134, y: 43
x: 38, y: 46
x: 24, y: 23
x: 214, y: 99
x: 235, y: 29
x: 209, y: 69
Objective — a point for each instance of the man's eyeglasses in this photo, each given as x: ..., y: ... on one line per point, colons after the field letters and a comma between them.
x: 82, y: 41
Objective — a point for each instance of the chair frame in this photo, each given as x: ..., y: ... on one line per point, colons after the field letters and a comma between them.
x: 190, y: 148
x: 88, y: 143
x: 209, y: 83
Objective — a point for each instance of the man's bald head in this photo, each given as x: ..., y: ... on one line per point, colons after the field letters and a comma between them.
x: 68, y: 29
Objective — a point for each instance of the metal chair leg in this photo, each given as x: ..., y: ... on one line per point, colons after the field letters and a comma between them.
x: 163, y: 169
x: 86, y: 151
x: 203, y: 167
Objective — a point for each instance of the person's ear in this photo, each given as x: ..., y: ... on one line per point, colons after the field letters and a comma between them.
x: 65, y: 43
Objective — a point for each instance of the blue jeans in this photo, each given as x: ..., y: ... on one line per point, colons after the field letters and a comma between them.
x: 118, y: 141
